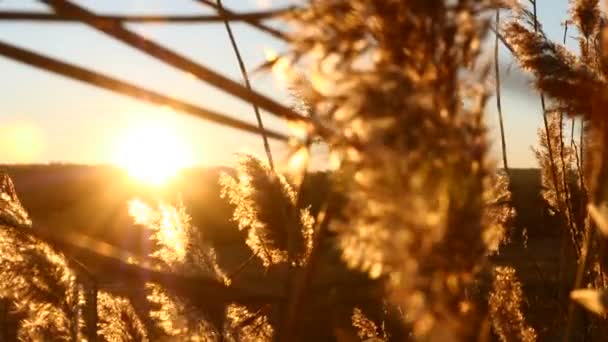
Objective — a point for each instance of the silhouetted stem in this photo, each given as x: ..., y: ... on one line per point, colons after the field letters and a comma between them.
x: 588, y: 225
x: 176, y: 60
x: 302, y: 280
x: 91, y: 311
x: 125, y: 88
x: 550, y: 150
x: 254, y: 22
x: 498, y: 99
x: 117, y: 19
x: 567, y: 192
x: 256, y: 110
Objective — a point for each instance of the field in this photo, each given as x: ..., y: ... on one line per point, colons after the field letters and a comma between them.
x: 72, y: 200
x: 418, y: 231
x: 65, y: 200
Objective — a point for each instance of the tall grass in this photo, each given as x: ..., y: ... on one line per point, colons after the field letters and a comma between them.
x: 413, y: 213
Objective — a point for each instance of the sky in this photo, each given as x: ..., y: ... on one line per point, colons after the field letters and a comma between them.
x: 55, y: 119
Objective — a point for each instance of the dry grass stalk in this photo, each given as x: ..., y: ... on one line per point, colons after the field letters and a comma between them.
x: 505, y: 308
x: 395, y: 90
x: 576, y: 86
x: 376, y: 70
x: 265, y: 205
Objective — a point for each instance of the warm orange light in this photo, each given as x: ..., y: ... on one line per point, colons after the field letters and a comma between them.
x: 169, y: 225
x: 152, y: 152
x: 20, y: 142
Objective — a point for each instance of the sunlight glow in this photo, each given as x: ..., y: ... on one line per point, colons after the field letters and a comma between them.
x: 152, y: 152
x: 20, y: 142
x: 169, y: 226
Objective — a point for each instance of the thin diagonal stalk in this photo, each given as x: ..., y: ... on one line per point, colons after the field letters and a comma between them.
x: 128, y: 89
x: 256, y: 110
x: 552, y: 165
x: 568, y: 198
x: 91, y: 315
x: 547, y: 135
x: 568, y: 202
x: 572, y: 146
x: 582, y: 147
x: 299, y: 280
x: 498, y: 98
x: 576, y: 154
x: 75, y: 319
x: 545, y: 121
x: 170, y: 57
x: 296, y: 278
x: 502, y: 39
x: 588, y: 226
x: 569, y: 215
x: 54, y: 17
x: 242, y: 266
x: 589, y: 231
x: 198, y: 289
x: 302, y: 286
x: 580, y: 272
x: 255, y: 23
x: 572, y: 143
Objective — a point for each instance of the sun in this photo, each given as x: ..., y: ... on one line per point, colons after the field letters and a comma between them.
x: 152, y: 152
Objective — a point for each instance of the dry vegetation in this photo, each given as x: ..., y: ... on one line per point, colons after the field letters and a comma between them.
x: 412, y: 219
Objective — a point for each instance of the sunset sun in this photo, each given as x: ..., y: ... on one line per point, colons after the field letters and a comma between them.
x: 152, y: 153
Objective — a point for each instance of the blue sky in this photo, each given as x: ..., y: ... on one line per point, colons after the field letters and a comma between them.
x: 68, y: 121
